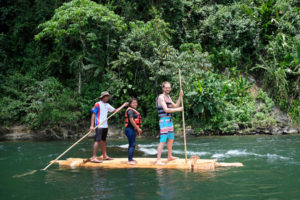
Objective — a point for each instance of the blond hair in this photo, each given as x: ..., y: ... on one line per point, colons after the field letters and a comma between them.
x: 164, y: 83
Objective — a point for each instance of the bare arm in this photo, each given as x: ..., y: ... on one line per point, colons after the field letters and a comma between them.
x: 92, y: 122
x: 178, y: 100
x: 120, y: 108
x: 135, y: 126
x: 162, y: 102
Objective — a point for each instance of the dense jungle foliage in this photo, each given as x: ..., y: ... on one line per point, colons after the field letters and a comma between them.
x: 57, y: 56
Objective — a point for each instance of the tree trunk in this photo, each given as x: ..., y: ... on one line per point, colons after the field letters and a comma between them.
x: 79, y: 82
x: 107, y: 51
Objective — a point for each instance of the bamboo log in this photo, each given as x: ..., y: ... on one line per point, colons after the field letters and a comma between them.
x: 192, y: 164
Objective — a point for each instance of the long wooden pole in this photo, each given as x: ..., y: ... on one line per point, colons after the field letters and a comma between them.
x: 81, y: 139
x: 183, y: 121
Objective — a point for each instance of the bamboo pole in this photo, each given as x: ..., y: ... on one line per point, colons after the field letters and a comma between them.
x: 183, y: 121
x: 81, y: 139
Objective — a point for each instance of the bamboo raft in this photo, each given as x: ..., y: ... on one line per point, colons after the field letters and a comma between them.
x: 194, y: 163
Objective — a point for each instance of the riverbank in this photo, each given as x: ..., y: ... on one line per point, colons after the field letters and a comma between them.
x: 22, y: 132
x: 281, y: 126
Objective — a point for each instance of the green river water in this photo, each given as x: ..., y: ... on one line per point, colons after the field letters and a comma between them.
x: 271, y: 171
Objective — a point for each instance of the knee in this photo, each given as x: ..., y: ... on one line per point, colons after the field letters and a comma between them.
x: 132, y: 145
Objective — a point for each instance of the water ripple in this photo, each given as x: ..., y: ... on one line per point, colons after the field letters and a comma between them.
x: 241, y: 153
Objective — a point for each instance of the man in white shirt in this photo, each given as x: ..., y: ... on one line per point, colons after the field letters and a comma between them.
x: 99, y: 114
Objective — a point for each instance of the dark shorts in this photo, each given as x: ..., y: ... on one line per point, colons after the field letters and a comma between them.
x: 101, y: 134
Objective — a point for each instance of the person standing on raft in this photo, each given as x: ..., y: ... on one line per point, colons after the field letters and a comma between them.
x: 166, y: 107
x: 133, y: 124
x: 99, y: 114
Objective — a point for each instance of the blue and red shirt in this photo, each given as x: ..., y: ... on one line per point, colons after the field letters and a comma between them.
x: 101, y: 110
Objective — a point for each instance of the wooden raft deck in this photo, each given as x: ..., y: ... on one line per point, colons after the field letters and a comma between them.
x: 193, y: 163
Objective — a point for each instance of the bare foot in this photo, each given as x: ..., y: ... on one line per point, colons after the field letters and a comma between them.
x: 172, y: 158
x: 107, y: 158
x: 95, y: 160
x: 131, y: 162
x: 159, y: 163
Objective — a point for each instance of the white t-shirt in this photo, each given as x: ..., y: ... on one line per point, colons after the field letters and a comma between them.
x: 102, y: 109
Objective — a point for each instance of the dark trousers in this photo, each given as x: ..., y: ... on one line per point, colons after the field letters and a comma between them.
x: 130, y: 133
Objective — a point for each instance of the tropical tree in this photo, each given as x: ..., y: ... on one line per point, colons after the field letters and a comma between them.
x: 85, y: 35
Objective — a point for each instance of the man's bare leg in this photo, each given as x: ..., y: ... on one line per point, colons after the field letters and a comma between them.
x: 170, y: 146
x: 159, y: 151
x: 104, y: 154
x: 103, y: 148
x: 95, y: 148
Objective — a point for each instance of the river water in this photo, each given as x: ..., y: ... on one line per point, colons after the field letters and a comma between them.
x: 271, y: 171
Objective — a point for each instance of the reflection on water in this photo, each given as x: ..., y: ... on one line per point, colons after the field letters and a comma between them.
x: 166, y: 183
x: 173, y: 183
x: 99, y: 184
x: 132, y: 183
